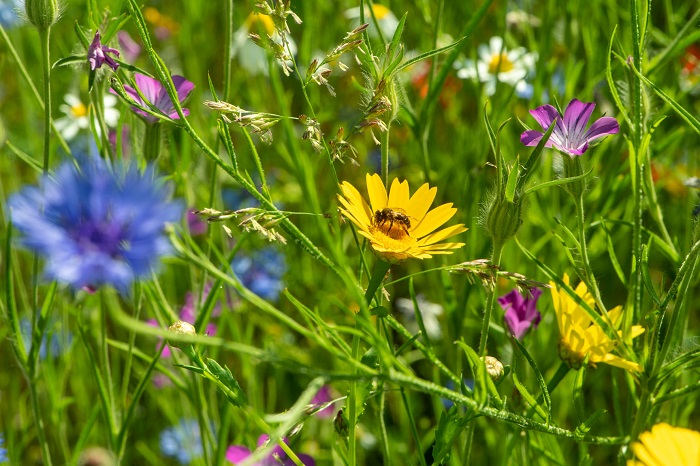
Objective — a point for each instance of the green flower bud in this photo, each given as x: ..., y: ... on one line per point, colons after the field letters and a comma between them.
x: 42, y: 13
x: 573, y: 166
x: 503, y: 218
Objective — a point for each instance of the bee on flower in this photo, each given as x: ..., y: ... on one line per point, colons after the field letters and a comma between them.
x: 498, y: 64
x: 397, y: 226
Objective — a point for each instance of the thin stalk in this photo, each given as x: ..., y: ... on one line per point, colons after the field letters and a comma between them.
x: 151, y: 142
x: 384, y: 437
x: 412, y: 423
x: 385, y: 155
x: 45, y: 453
x: 490, y: 300
x: 588, y: 275
x: 44, y: 35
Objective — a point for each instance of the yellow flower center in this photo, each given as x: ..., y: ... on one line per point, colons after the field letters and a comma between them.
x: 570, y: 356
x: 79, y: 110
x: 392, y: 237
x: 260, y: 21
x: 380, y: 11
x: 500, y: 63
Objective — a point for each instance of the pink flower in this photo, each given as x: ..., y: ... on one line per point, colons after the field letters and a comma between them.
x: 155, y: 93
x: 521, y: 312
x: 98, y: 54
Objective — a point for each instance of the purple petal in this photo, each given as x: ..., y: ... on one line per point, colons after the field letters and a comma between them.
x: 532, y: 137
x: 237, y: 453
x: 149, y: 87
x: 174, y: 116
x: 183, y: 87
x: 306, y: 460
x: 545, y: 115
x: 576, y: 117
x: 602, y: 127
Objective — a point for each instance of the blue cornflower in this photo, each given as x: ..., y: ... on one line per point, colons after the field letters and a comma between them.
x: 96, y: 225
x: 3, y: 451
x: 261, y: 272
x: 9, y: 16
x: 182, y: 441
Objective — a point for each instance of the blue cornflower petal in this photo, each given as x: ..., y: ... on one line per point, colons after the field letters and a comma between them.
x: 261, y: 272
x: 182, y: 441
x: 96, y: 225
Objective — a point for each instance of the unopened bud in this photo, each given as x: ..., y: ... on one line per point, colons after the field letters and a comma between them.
x: 503, y: 218
x: 181, y: 327
x: 494, y: 367
x: 573, y: 167
x: 42, y: 13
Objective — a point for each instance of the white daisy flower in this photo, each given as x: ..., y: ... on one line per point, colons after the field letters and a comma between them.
x: 429, y: 311
x: 386, y: 19
x: 252, y: 57
x: 76, y: 115
x: 496, y: 63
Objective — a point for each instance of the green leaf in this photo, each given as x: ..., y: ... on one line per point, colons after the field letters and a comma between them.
x: 557, y: 182
x: 622, y: 108
x: 579, y: 403
x: 450, y: 426
x: 483, y: 384
x: 397, y: 37
x: 528, y: 397
x: 613, y: 255
x: 225, y: 376
x: 429, y: 54
x: 70, y: 61
x: 513, y: 176
x: 648, y: 284
x: 28, y: 159
x: 586, y: 425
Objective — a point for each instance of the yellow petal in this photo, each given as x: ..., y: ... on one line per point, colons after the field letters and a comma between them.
x: 360, y: 212
x: 398, y: 194
x: 617, y: 361
x: 377, y: 192
x: 442, y: 234
x: 420, y: 202
x: 433, y: 220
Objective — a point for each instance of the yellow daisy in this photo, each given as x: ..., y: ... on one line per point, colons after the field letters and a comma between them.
x: 667, y: 446
x: 581, y: 337
x: 399, y: 227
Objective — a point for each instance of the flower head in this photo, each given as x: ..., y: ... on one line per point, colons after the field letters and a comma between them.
x: 581, y: 337
x: 76, y: 117
x: 569, y: 136
x: 261, y: 272
x: 155, y: 93
x: 98, y: 54
x: 665, y: 445
x: 323, y: 396
x: 239, y: 453
x: 182, y: 441
x: 399, y: 227
x: 521, y: 312
x: 96, y: 225
x: 496, y: 63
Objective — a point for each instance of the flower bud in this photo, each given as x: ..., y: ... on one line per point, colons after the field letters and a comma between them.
x: 503, y: 218
x: 42, y: 13
x: 494, y: 367
x: 181, y: 328
x: 573, y: 167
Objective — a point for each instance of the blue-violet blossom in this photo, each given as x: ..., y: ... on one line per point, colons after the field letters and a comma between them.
x: 261, y: 272
x: 570, y: 135
x: 98, y: 54
x: 97, y: 225
x: 238, y: 453
x: 182, y: 441
x: 521, y: 312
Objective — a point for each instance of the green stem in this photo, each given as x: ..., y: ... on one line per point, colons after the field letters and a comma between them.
x: 45, y: 453
x: 588, y: 275
x: 412, y: 423
x: 44, y: 35
x: 490, y: 301
x: 385, y: 155
x: 151, y: 142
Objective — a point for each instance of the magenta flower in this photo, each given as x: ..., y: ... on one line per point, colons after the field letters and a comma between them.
x: 236, y: 454
x: 521, y: 312
x: 129, y: 46
x: 323, y: 396
x: 98, y: 54
x: 569, y: 135
x: 155, y: 93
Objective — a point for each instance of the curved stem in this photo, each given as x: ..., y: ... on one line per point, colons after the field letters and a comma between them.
x: 44, y: 35
x: 588, y: 275
x: 385, y: 155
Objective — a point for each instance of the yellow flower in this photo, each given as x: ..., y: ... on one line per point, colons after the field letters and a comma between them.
x: 667, y: 446
x: 581, y: 337
x: 399, y: 227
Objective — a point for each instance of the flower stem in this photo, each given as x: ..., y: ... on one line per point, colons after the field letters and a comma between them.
x: 588, y: 275
x: 385, y: 155
x: 490, y: 300
x: 44, y: 35
x: 151, y: 142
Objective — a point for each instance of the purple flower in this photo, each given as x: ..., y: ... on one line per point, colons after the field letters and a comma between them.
x: 96, y: 225
x: 98, y: 54
x: 323, y: 396
x: 155, y: 93
x: 521, y: 313
x: 238, y: 453
x: 196, y: 225
x: 129, y: 46
x: 569, y: 135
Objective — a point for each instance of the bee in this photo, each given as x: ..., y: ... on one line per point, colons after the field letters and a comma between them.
x: 397, y: 215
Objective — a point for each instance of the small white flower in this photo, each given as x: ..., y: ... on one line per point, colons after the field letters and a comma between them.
x: 386, y: 19
x: 496, y: 63
x: 429, y: 311
x: 250, y: 56
x: 76, y: 115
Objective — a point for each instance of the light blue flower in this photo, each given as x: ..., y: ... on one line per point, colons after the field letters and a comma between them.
x: 3, y: 451
x: 182, y: 441
x: 261, y: 272
x: 96, y: 225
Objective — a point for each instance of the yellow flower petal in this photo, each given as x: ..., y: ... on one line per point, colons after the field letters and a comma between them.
x: 398, y: 194
x: 420, y: 202
x: 442, y: 234
x: 377, y: 192
x: 433, y: 220
x: 665, y: 445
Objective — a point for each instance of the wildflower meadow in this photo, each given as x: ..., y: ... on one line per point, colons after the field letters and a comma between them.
x: 314, y: 233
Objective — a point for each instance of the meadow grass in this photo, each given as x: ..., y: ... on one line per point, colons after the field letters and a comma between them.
x: 315, y: 323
